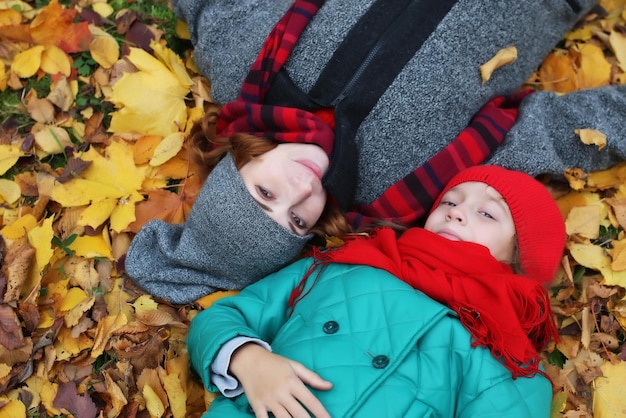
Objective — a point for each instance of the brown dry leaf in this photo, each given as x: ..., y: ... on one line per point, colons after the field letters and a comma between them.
x: 40, y: 110
x: 118, y: 400
x: 61, y: 94
x: 162, y: 204
x: 82, y: 272
x: 11, y: 335
x: 51, y: 139
x: 592, y: 137
x: 16, y: 267
x: 503, y: 57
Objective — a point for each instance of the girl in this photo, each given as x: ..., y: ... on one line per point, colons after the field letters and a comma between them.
x: 339, y: 335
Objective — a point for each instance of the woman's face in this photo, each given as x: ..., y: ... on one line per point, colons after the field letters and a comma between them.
x: 475, y: 212
x: 287, y: 183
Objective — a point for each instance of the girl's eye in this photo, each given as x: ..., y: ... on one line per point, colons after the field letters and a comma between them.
x: 487, y: 215
x: 264, y: 192
x: 448, y: 203
x: 298, y: 221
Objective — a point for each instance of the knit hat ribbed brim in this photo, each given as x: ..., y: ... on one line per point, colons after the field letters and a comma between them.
x: 539, y: 225
x: 227, y: 242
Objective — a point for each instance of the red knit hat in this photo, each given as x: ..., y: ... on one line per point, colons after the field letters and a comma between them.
x: 539, y: 225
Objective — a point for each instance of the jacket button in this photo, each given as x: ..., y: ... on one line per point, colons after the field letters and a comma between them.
x: 380, y: 362
x: 331, y: 327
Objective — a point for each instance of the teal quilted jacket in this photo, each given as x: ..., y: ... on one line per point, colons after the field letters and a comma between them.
x: 389, y: 350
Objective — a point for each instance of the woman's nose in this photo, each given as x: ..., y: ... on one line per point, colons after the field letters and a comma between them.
x: 301, y: 188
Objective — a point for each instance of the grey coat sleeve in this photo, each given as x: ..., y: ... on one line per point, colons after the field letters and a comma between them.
x: 543, y: 140
x: 227, y: 36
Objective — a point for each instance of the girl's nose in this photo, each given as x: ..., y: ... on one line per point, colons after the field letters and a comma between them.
x: 456, y: 214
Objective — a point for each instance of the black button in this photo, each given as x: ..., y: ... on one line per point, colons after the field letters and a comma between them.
x: 380, y: 362
x: 331, y: 327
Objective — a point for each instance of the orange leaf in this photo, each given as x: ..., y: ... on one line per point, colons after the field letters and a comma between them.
x: 558, y: 72
x: 54, y: 26
x: 143, y: 150
x: 164, y: 205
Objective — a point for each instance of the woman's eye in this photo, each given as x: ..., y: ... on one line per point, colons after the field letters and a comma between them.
x: 298, y: 221
x: 264, y: 192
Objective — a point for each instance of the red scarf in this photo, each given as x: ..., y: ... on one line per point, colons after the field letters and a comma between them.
x: 507, y: 313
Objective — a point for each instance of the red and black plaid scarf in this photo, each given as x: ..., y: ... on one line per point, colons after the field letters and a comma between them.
x: 408, y: 199
x: 283, y: 124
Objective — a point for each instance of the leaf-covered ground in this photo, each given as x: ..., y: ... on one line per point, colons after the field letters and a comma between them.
x: 96, y: 98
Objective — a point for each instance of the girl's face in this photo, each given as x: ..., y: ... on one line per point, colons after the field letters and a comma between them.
x: 287, y: 183
x: 475, y: 212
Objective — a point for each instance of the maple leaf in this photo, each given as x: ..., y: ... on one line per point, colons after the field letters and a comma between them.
x: 151, y: 101
x: 55, y: 26
x: 111, y: 182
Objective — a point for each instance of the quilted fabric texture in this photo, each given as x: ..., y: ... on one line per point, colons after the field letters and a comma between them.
x: 389, y: 350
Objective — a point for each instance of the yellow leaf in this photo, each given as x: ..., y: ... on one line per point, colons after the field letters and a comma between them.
x: 117, y: 396
x: 173, y: 62
x: 592, y: 137
x: 145, y: 303
x: 73, y: 297
x: 9, y: 154
x: 26, y: 63
x: 91, y: 247
x: 112, y: 177
x: 13, y: 409
x: 617, y: 41
x: 581, y: 34
x: 595, y: 70
x: 54, y: 61
x: 9, y: 191
x: 105, y: 329
x: 595, y: 257
x: 609, y: 391
x: 40, y: 237
x: 5, y: 369
x: 618, y: 255
x: 104, y: 48
x: 52, y: 139
x: 97, y: 212
x: 68, y: 346
x: 503, y: 57
x: 103, y: 9
x: 176, y: 395
x: 124, y: 213
x: 584, y: 221
x: 151, y: 100
x: 48, y: 393
x: 153, y: 403
x: 182, y: 30
x: 167, y: 148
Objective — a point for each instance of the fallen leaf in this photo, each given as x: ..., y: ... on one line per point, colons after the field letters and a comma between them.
x: 595, y: 70
x: 10, y: 192
x: 167, y: 149
x: 584, y: 221
x: 503, y: 57
x: 55, y: 61
x: 558, y: 72
x: 11, y: 335
x: 592, y: 137
x: 9, y: 154
x: 154, y: 95
x: 618, y: 45
x: 104, y: 48
x: 609, y: 391
x: 25, y: 64
x: 79, y: 405
x: 16, y: 268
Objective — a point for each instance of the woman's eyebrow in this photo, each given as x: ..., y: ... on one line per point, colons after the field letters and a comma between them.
x: 263, y: 205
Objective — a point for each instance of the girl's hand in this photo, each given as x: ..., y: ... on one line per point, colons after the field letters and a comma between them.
x: 276, y: 384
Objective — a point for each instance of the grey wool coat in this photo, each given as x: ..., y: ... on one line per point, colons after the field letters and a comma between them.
x: 439, y: 89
